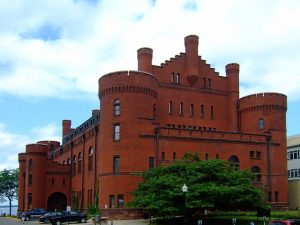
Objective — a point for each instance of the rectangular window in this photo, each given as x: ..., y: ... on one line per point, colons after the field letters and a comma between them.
x: 289, y: 173
x: 30, y: 180
x: 258, y: 155
x: 270, y: 196
x: 181, y: 109
x: 173, y: 77
x: 206, y: 156
x: 163, y: 156
x: 202, y: 112
x: 295, y: 155
x: 291, y: 155
x: 296, y: 173
x: 276, y: 196
x: 209, y: 83
x: 251, y: 154
x: 217, y: 156
x: 116, y: 165
x: 170, y: 107
x: 292, y: 173
x: 52, y: 181
x: 120, y: 201
x: 174, y: 156
x: 151, y: 162
x: 111, y: 201
x: 29, y: 201
x: 178, y: 78
x: 90, y: 197
x: 116, y: 132
x: 192, y: 110
x: 211, y: 112
x: 204, y: 82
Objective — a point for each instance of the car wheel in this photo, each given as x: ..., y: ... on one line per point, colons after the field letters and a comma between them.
x: 57, y: 222
x: 46, y: 221
x: 83, y: 220
x: 27, y: 218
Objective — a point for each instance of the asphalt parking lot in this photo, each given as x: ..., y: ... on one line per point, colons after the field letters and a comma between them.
x: 14, y: 221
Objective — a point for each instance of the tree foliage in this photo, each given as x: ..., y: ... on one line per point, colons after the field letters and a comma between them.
x: 9, y: 185
x: 212, y: 184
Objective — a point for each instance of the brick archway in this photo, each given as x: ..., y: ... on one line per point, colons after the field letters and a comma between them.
x: 57, y: 201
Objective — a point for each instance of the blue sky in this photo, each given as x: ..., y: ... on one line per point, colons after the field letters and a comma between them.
x: 53, y: 52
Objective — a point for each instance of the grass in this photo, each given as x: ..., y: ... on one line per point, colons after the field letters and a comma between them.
x: 225, y: 218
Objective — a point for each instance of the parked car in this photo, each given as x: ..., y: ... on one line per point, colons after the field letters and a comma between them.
x: 68, y: 217
x: 34, y: 213
x: 285, y: 222
x: 45, y: 218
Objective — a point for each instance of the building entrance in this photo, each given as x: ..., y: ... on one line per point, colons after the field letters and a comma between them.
x: 57, y: 201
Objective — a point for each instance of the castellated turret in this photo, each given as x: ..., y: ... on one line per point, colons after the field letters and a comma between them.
x: 127, y: 105
x: 191, y: 50
x: 263, y: 112
x: 144, y: 56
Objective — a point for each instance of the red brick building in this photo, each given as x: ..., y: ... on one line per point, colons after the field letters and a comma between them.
x: 151, y: 117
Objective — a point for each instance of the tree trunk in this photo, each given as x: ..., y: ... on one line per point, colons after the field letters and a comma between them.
x: 9, y: 206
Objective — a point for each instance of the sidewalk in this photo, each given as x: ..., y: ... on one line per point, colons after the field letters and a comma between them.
x: 122, y: 222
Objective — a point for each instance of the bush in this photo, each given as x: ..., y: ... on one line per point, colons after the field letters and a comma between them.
x: 93, y: 210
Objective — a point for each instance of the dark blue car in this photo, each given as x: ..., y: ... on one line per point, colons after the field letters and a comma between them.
x: 34, y: 213
x: 68, y: 217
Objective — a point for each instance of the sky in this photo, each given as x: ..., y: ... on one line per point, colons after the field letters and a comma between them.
x: 53, y: 52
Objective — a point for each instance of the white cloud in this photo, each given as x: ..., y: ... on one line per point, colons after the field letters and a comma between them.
x: 12, y: 144
x: 98, y: 37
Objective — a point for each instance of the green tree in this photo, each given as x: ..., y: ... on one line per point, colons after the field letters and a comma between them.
x: 212, y: 184
x: 9, y: 185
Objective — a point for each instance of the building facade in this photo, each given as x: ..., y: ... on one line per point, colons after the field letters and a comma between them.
x: 151, y: 117
x: 293, y: 156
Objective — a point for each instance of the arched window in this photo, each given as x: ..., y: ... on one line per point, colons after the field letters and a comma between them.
x: 69, y: 161
x: 117, y: 107
x: 79, y: 163
x: 256, y: 171
x: 30, y: 163
x: 261, y: 124
x: 234, y: 162
x: 90, y: 159
x: 74, y: 165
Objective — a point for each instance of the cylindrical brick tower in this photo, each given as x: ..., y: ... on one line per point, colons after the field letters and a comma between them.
x: 36, y: 156
x: 66, y: 127
x: 232, y: 74
x: 144, y: 56
x: 127, y: 100
x: 265, y: 113
x: 21, y: 189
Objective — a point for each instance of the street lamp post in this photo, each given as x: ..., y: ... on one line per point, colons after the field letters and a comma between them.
x: 184, y: 190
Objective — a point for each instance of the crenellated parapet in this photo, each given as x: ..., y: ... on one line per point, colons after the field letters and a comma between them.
x: 22, y: 157
x: 38, y: 148
x: 128, y: 81
x: 263, y: 101
x: 232, y: 68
